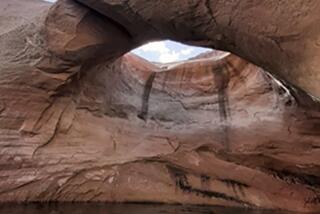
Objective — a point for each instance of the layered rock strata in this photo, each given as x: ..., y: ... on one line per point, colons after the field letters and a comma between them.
x: 81, y: 122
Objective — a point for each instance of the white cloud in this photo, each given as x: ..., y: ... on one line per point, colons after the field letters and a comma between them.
x: 160, y: 47
x: 163, y: 52
x: 187, y: 51
x: 169, y: 57
x: 168, y: 51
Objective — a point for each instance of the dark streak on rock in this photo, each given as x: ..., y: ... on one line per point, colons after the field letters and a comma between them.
x: 205, y: 178
x: 2, y: 106
x: 205, y: 181
x: 315, y: 147
x: 182, y: 183
x: 295, y: 178
x: 236, y: 186
x: 145, y: 97
x: 233, y: 182
x: 313, y: 200
x: 221, y: 81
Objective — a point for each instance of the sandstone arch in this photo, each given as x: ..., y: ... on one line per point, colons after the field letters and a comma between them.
x: 273, y: 29
x: 69, y: 129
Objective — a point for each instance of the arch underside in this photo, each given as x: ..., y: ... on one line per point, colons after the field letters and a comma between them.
x: 81, y: 121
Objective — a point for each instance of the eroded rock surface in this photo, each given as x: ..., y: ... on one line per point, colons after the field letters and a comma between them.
x: 78, y: 123
x: 280, y: 36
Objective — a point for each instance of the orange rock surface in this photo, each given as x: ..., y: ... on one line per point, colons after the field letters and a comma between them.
x: 80, y: 121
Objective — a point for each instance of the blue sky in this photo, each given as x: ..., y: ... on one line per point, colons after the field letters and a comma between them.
x: 165, y: 51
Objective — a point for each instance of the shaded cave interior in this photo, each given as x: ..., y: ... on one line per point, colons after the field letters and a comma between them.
x: 98, y: 115
x: 121, y: 85
x: 102, y: 40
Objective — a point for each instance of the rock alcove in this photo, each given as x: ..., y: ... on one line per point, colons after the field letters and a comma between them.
x: 81, y: 121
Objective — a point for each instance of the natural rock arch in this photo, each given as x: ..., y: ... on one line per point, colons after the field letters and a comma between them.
x: 69, y: 129
x: 285, y: 38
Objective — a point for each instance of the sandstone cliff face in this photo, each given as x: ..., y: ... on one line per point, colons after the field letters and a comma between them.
x: 80, y: 123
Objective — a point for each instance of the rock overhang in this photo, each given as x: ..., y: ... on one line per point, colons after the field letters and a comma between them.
x: 269, y: 29
x: 212, y: 132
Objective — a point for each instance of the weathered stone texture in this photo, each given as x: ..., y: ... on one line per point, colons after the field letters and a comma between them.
x: 81, y: 122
